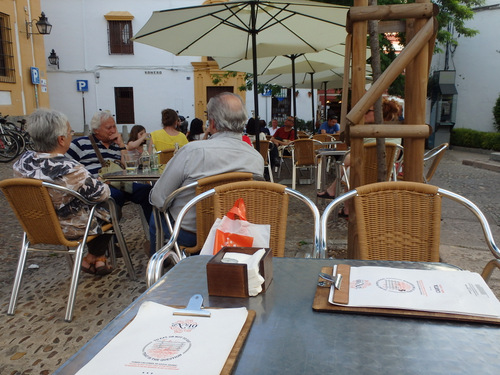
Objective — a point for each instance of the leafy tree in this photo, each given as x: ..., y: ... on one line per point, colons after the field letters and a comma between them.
x: 451, y: 12
x: 496, y: 114
x: 452, y: 15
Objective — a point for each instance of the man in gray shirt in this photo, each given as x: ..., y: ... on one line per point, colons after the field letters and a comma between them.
x: 224, y: 152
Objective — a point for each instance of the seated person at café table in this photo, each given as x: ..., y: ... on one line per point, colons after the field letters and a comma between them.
x: 331, y: 126
x: 169, y: 136
x: 137, y: 138
x: 282, y: 137
x: 224, y: 152
x: 111, y: 146
x: 51, y: 134
x: 390, y: 109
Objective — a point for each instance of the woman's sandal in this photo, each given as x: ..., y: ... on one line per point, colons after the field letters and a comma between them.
x: 104, y: 269
x: 90, y: 269
x: 325, y: 195
x: 343, y: 214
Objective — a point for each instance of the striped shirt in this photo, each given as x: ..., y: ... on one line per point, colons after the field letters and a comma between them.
x: 81, y: 150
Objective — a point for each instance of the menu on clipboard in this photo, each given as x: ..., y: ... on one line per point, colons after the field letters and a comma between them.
x: 159, y: 341
x: 460, y: 292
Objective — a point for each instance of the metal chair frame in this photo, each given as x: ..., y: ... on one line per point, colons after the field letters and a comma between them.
x: 266, y: 155
x: 199, y: 186
x: 353, y: 194
x: 435, y: 155
x: 155, y: 265
x: 58, y: 238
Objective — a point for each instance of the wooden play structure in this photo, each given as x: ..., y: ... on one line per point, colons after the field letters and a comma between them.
x: 421, y: 26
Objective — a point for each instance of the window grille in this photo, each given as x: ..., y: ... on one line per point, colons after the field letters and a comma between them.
x: 120, y: 34
x: 7, y: 71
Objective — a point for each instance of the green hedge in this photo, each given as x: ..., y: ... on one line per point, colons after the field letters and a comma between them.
x: 475, y: 139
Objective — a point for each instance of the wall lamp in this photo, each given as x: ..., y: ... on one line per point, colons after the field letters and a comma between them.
x: 54, y: 59
x: 43, y: 26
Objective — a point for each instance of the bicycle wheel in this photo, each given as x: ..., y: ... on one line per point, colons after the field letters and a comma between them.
x: 19, y: 138
x: 9, y: 148
x: 28, y: 142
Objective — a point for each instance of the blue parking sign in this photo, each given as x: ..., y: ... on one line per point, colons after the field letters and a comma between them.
x: 35, y: 75
x: 82, y: 85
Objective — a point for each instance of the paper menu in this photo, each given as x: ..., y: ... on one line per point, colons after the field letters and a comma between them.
x: 157, y: 342
x: 460, y: 292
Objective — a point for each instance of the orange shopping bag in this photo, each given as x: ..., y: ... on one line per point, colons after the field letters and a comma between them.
x: 233, y: 230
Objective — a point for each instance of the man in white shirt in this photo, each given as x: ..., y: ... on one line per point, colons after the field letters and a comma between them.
x: 224, y: 152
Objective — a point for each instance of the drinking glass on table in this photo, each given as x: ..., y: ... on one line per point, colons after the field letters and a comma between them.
x: 131, y: 161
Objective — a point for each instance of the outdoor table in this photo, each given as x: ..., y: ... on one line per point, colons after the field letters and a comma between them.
x: 288, y: 337
x: 140, y: 176
x: 323, y: 154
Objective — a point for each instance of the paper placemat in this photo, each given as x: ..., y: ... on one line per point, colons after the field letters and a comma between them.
x: 157, y: 341
x: 321, y: 303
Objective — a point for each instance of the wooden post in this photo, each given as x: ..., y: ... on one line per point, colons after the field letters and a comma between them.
x: 417, y: 73
x: 359, y: 31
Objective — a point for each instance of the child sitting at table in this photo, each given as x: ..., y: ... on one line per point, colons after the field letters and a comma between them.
x: 137, y: 137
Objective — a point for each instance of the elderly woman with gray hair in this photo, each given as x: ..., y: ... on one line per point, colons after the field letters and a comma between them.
x: 51, y: 134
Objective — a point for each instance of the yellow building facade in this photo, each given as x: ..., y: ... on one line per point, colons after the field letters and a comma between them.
x: 209, y: 81
x: 22, y: 59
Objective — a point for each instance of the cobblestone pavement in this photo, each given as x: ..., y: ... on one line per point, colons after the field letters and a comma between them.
x: 37, y: 340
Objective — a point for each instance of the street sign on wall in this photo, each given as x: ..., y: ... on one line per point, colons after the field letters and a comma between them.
x: 35, y: 75
x: 82, y: 85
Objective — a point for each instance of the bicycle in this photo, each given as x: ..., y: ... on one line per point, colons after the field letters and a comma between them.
x: 19, y: 133
x: 9, y: 147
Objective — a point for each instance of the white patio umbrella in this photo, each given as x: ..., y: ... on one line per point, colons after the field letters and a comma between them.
x: 285, y: 70
x: 331, y: 57
x: 246, y: 29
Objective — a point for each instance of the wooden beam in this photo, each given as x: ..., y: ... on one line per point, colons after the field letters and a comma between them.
x: 392, y: 12
x: 417, y: 73
x: 414, y: 47
x: 390, y: 131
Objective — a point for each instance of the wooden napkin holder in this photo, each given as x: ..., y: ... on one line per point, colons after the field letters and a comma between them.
x: 231, y: 279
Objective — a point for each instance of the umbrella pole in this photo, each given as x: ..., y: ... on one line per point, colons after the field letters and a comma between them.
x: 293, y: 57
x: 325, y: 97
x: 312, y: 102
x: 254, y: 62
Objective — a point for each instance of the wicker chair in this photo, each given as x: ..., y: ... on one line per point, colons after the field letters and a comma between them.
x: 302, y: 134
x: 204, y: 209
x: 166, y: 155
x: 323, y: 137
x: 401, y: 220
x: 370, y: 171
x: 266, y: 203
x: 264, y: 151
x: 304, y: 155
x: 32, y: 204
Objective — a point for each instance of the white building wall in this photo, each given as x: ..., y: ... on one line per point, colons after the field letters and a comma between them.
x: 477, y: 64
x: 80, y: 38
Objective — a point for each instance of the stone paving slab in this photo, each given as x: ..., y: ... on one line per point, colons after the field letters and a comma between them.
x: 36, y: 340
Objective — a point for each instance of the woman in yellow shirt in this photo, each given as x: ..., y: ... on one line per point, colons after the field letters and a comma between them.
x: 168, y: 136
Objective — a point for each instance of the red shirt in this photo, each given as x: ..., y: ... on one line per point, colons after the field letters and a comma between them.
x: 246, y: 138
x: 281, y: 133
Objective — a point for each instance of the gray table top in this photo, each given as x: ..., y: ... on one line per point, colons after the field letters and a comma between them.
x: 288, y: 337
x: 138, y: 176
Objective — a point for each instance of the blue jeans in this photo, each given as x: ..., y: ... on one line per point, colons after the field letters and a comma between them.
x: 185, y: 239
x: 139, y: 195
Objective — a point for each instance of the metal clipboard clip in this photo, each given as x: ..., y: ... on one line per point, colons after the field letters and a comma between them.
x: 194, y: 308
